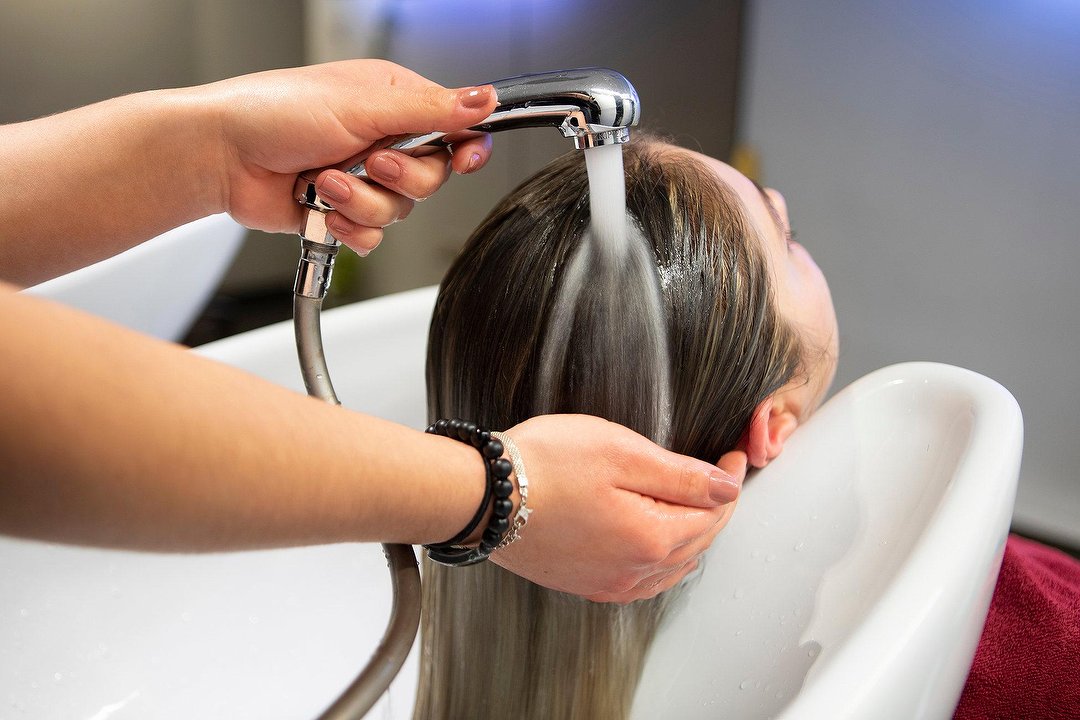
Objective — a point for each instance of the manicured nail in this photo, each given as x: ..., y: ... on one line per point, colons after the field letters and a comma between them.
x: 474, y: 164
x: 724, y: 488
x: 475, y: 97
x: 385, y: 167
x: 340, y: 225
x: 334, y: 189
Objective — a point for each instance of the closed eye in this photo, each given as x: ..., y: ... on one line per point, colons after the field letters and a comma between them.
x: 784, y: 232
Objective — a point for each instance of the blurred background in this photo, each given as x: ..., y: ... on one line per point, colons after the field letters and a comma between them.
x: 929, y: 153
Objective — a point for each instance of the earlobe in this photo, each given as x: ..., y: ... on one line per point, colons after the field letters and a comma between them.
x: 770, y: 427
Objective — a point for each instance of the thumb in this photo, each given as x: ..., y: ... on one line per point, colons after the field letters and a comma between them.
x: 687, y: 481
x: 406, y: 110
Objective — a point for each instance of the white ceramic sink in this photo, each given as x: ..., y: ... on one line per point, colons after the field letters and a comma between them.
x: 852, y: 582
x: 158, y: 287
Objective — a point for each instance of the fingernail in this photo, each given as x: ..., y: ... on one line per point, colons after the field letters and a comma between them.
x: 724, y: 488
x: 334, y: 189
x: 475, y: 97
x: 340, y: 224
x: 385, y: 167
x: 474, y: 163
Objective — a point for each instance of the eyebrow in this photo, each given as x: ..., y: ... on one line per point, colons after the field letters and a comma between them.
x: 772, y: 209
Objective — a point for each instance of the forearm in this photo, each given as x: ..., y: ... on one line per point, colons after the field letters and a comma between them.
x: 113, y: 439
x: 89, y: 183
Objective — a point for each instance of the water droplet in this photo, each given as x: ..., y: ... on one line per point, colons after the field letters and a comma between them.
x: 58, y: 676
x: 738, y: 593
x: 744, y: 684
x: 813, y: 517
x: 318, y: 376
x: 33, y: 686
x: 798, y: 546
x: 755, y: 554
x: 254, y: 619
x: 738, y: 633
x: 769, y: 558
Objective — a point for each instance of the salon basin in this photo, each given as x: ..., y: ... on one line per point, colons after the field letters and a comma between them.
x: 158, y: 287
x: 852, y: 582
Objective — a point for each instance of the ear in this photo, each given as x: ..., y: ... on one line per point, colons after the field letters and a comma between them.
x: 770, y: 426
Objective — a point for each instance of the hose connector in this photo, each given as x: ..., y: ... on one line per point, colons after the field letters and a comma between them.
x: 318, y: 247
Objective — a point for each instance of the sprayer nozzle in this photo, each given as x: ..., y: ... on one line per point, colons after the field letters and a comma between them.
x: 607, y: 137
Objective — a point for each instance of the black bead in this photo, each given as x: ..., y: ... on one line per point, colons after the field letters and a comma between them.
x: 440, y: 426
x: 453, y: 428
x: 479, y: 437
x: 492, y: 537
x: 503, y: 489
x: 493, y: 449
x: 502, y: 508
x: 466, y: 432
x: 502, y: 468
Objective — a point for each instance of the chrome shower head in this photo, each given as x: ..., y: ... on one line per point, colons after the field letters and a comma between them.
x: 594, y: 106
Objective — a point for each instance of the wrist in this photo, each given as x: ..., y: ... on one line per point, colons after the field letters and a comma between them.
x: 496, y: 506
x: 198, y: 143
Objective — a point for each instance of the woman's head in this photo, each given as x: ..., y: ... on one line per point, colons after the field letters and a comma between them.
x: 750, y: 328
x: 523, y: 326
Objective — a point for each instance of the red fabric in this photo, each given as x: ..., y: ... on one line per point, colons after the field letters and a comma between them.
x: 1028, y: 661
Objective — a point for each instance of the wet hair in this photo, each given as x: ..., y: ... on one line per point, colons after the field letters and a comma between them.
x: 493, y: 644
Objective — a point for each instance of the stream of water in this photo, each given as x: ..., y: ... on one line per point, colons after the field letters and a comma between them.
x: 609, y: 329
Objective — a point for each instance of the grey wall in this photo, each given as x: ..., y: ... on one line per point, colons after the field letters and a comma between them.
x: 930, y: 155
x: 58, y: 54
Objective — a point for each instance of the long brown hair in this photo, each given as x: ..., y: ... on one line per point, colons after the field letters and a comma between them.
x: 495, y: 645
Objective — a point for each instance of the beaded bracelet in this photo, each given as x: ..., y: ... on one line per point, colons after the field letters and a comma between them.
x: 522, y: 515
x: 498, y: 485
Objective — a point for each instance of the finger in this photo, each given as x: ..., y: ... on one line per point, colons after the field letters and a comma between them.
x: 472, y: 154
x: 693, y: 533
x: 402, y: 110
x: 656, y: 584
x: 647, y: 588
x: 683, y: 480
x: 360, y: 238
x: 413, y: 177
x: 362, y: 203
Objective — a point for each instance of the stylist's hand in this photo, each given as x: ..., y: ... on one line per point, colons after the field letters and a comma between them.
x: 615, y: 517
x: 277, y: 124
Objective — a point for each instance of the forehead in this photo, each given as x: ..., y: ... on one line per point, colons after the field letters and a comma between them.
x: 744, y: 187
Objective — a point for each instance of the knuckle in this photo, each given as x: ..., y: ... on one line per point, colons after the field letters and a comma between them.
x: 618, y: 455
x: 687, y: 485
x: 624, y: 582
x: 367, y: 212
x: 437, y: 99
x: 651, y: 551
